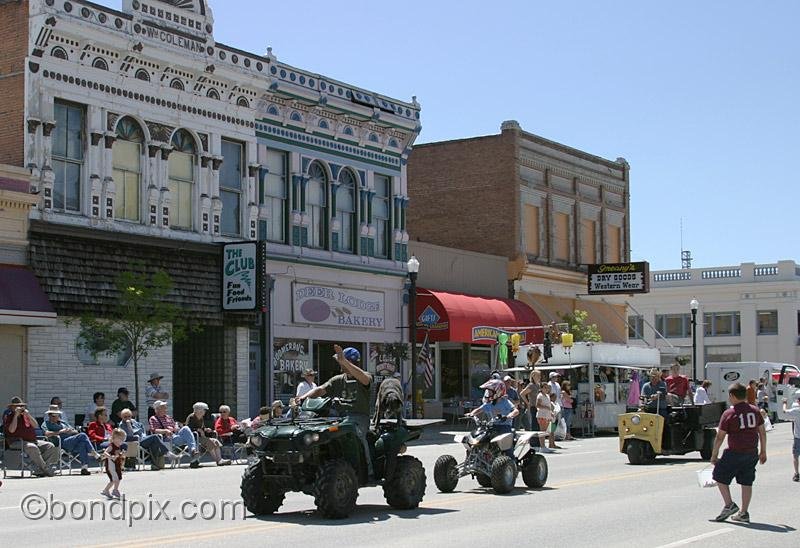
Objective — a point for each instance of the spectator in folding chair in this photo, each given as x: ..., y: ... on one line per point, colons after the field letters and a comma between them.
x: 20, y: 427
x: 166, y: 427
x: 99, y: 430
x: 206, y: 437
x: 98, y: 400
x: 122, y: 402
x: 264, y: 414
x: 228, y: 429
x: 71, y: 441
x: 153, y: 444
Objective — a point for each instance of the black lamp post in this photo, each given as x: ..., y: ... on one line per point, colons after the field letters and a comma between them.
x: 413, y: 269
x: 694, y: 305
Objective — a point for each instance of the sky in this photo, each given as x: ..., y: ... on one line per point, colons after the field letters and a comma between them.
x: 701, y: 98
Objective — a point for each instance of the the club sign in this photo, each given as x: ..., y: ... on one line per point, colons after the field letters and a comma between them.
x: 619, y: 278
x: 239, y: 276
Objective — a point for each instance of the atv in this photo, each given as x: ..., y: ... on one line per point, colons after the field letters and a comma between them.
x: 317, y: 452
x: 488, y: 462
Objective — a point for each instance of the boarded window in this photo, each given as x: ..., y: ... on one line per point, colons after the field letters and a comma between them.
x: 562, y: 236
x: 588, y: 239
x: 614, y: 255
x: 531, y: 230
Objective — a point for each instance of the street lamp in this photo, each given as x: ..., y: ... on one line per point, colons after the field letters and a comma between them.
x: 694, y: 305
x: 413, y: 269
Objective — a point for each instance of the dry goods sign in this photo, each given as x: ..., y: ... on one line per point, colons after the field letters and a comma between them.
x: 619, y: 278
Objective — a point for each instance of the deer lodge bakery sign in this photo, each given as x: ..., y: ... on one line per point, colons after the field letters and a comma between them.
x: 338, y: 306
x: 620, y: 278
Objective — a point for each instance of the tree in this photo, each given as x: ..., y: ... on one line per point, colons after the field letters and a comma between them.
x: 144, y: 320
x: 581, y: 331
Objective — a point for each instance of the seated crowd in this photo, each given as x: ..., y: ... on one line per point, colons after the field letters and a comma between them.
x: 161, y: 438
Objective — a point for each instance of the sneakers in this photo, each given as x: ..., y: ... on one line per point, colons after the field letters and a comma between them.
x: 727, y: 511
x: 796, y: 477
x: 742, y: 517
x: 223, y: 462
x: 116, y: 494
x: 85, y: 472
x: 194, y: 464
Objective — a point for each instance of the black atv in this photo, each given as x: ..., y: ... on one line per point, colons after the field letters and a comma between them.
x: 319, y: 454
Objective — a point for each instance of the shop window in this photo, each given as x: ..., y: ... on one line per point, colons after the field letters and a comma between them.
x: 562, y: 237
x: 127, y: 156
x: 317, y: 205
x: 674, y: 326
x: 346, y: 211
x: 275, y: 193
x: 588, y: 241
x: 68, y: 153
x: 181, y: 179
x: 291, y: 358
x: 635, y: 327
x: 230, y: 187
x: 324, y: 364
x: 767, y: 322
x: 532, y: 230
x: 480, y: 369
x: 381, y: 215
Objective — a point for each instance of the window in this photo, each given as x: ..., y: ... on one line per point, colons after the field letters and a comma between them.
x: 59, y: 53
x: 531, y: 230
x: 68, y: 143
x: 317, y: 205
x: 562, y: 236
x: 127, y: 154
x: 176, y: 84
x: 212, y: 93
x: 380, y: 214
x: 674, y: 326
x: 588, y: 241
x: 767, y: 322
x: 143, y: 75
x: 243, y: 102
x: 181, y: 179
x: 323, y: 124
x: 635, y: 327
x: 721, y: 324
x: 230, y: 187
x: 296, y: 117
x: 614, y: 245
x: 275, y: 193
x: 100, y: 63
x: 346, y: 211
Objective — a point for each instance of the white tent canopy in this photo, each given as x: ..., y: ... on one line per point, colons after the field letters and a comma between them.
x: 613, y: 355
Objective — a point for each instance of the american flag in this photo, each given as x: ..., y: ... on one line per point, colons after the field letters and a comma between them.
x: 426, y: 359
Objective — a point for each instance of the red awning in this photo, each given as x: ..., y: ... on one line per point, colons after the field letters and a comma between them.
x: 22, y: 301
x: 456, y: 317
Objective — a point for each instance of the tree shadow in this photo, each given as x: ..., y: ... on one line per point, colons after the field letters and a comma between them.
x: 364, y: 513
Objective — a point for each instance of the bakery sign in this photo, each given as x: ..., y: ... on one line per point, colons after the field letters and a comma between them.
x: 619, y: 278
x: 338, y: 306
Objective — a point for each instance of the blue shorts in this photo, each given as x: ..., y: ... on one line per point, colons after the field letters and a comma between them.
x: 796, y: 447
x: 741, y: 466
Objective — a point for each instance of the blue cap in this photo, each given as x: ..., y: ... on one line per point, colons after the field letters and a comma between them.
x: 351, y: 354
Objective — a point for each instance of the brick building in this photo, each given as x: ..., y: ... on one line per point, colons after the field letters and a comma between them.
x: 548, y: 208
x: 148, y: 141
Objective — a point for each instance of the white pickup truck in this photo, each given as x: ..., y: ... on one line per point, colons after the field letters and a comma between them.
x: 784, y: 380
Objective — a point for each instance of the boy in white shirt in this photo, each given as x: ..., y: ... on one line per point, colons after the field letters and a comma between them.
x: 794, y: 413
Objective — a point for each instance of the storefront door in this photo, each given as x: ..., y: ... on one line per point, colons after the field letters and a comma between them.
x: 12, y: 351
x: 324, y: 363
x: 454, y: 377
x: 480, y: 370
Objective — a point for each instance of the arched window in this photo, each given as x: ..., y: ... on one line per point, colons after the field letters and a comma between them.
x: 243, y: 102
x: 323, y: 124
x: 317, y: 205
x: 393, y: 143
x: 348, y: 131
x: 346, y: 211
x: 181, y: 179
x: 373, y: 138
x: 100, y: 63
x: 296, y: 117
x: 273, y: 111
x: 177, y: 84
x: 212, y: 93
x: 142, y: 74
x: 59, y: 53
x: 127, y: 158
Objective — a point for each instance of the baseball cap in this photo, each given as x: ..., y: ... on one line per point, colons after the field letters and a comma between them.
x: 507, y: 378
x: 553, y: 374
x: 352, y: 354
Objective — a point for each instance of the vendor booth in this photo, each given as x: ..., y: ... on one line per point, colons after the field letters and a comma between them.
x: 604, y: 374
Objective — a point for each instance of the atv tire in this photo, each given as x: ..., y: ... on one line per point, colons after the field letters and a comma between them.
x: 708, y: 444
x: 405, y: 489
x: 336, y: 489
x: 639, y: 452
x: 483, y: 480
x: 445, y: 473
x: 504, y: 475
x: 258, y: 497
x: 534, y: 473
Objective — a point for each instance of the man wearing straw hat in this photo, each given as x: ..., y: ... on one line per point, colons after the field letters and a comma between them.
x: 20, y: 429
x: 153, y: 393
x: 72, y: 441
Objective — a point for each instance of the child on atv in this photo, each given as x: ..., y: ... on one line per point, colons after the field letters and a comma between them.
x: 497, y: 406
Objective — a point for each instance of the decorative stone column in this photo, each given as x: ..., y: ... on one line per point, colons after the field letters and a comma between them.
x: 109, y: 187
x: 48, y: 176
x: 252, y: 201
x: 216, y: 202
x: 32, y: 145
x: 165, y: 198
x: 205, y: 197
x: 153, y: 192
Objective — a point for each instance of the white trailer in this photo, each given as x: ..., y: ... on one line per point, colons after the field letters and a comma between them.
x: 783, y: 380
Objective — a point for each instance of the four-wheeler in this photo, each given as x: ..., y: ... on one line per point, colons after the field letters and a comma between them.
x: 319, y: 454
x: 686, y: 428
x: 488, y: 462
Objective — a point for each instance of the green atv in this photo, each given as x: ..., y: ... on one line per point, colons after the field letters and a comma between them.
x: 319, y: 454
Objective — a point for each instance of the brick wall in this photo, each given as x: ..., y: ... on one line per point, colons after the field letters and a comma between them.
x: 13, y: 50
x: 54, y: 370
x: 464, y: 194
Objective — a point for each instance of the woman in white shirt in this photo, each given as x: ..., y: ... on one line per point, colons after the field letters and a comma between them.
x: 307, y: 385
x: 701, y: 394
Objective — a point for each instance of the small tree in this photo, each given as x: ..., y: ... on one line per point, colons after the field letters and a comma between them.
x: 581, y: 331
x: 143, y: 320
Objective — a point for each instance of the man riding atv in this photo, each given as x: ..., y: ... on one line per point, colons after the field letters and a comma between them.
x: 498, y: 406
x: 352, y: 384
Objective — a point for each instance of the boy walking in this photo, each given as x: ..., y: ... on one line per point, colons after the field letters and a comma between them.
x: 744, y: 427
x: 794, y: 414
x: 114, y: 457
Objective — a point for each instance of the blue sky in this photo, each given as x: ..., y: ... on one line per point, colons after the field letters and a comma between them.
x: 701, y: 98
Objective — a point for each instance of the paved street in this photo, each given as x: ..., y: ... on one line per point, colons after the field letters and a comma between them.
x: 593, y: 497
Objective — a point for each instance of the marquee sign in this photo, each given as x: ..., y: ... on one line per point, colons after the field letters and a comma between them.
x: 619, y: 278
